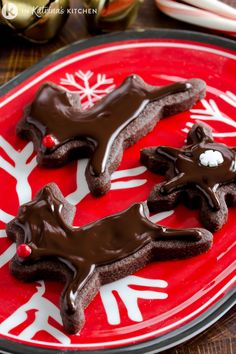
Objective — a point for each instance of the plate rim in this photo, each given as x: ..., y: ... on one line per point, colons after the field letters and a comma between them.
x: 83, y: 44
x: 214, y: 312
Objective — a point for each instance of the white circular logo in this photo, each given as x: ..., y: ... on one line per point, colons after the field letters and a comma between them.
x: 9, y: 11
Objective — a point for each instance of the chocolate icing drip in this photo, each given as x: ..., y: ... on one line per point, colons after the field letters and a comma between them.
x: 55, y: 112
x: 83, y: 249
x: 189, y: 171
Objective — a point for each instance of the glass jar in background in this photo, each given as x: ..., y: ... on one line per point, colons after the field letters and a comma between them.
x: 110, y: 15
x: 35, y: 20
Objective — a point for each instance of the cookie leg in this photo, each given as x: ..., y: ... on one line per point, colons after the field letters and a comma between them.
x: 212, y: 197
x: 158, y: 201
x: 176, y: 182
x: 213, y: 220
x: 72, y: 298
x: 100, y: 184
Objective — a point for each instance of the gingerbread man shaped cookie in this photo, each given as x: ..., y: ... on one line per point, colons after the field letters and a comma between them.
x: 201, y: 174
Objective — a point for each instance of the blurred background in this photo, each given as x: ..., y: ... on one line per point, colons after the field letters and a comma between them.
x: 17, y: 54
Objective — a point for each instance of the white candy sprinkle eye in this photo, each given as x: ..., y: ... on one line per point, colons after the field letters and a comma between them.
x: 211, y: 158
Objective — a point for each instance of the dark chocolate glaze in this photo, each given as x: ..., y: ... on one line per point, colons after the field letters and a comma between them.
x: 55, y: 112
x: 82, y: 249
x: 190, y: 172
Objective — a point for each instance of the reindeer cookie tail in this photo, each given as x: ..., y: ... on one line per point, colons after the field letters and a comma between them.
x: 185, y: 100
x: 179, y: 244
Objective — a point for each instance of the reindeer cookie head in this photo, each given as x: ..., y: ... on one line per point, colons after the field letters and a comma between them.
x: 98, y: 253
x: 39, y: 217
x: 202, y: 165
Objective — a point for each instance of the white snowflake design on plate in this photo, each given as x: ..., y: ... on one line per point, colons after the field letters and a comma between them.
x: 230, y: 98
x: 129, y: 297
x: 90, y: 93
x: 44, y: 309
x: 21, y: 169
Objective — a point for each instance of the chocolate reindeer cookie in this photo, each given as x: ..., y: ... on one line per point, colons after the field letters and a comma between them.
x: 202, y: 174
x: 87, y: 257
x: 61, y: 130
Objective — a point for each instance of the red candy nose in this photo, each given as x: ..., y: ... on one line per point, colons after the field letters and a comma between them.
x: 23, y: 250
x: 49, y: 141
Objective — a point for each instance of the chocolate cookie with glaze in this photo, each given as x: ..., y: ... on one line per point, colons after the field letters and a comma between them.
x: 61, y: 130
x: 87, y: 257
x: 202, y: 175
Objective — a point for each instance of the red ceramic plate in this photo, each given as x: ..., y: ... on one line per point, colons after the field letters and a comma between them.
x: 167, y: 302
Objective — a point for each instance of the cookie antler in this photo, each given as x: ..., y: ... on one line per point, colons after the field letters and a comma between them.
x: 202, y: 173
x: 87, y: 257
x: 61, y: 130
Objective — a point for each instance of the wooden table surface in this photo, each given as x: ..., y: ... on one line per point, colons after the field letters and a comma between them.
x: 17, y: 55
